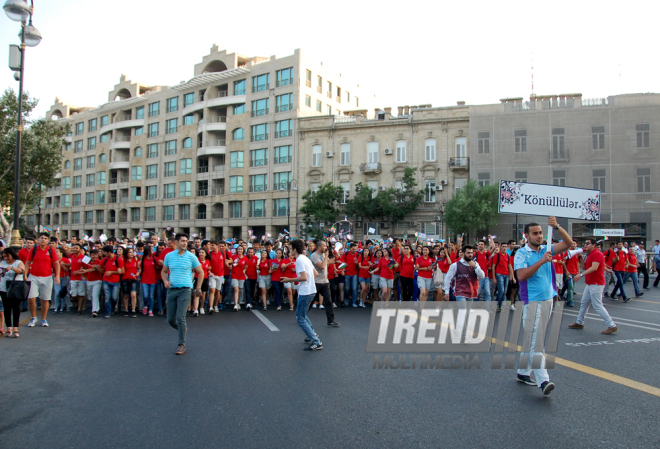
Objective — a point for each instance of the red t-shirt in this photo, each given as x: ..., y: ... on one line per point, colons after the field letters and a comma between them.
x: 290, y: 271
x: 331, y: 271
x: 491, y: 262
x: 113, y: 265
x: 76, y: 264
x: 611, y: 255
x: 396, y: 255
x: 264, y: 267
x: 482, y: 259
x: 206, y: 266
x: 252, y: 267
x: 453, y: 256
x: 63, y: 271
x: 385, y: 271
x: 620, y: 265
x: 23, y: 254
x: 217, y: 264
x: 598, y: 276
x: 351, y: 260
x: 559, y: 268
x: 148, y: 275
x: 444, y: 264
x: 364, y: 272
x: 407, y: 266
x: 425, y: 263
x: 130, y: 269
x: 94, y: 275
x: 277, y: 274
x: 161, y: 257
x: 228, y: 255
x: 572, y: 265
x: 503, y: 264
x: 42, y: 265
x: 632, y: 263
x: 239, y: 264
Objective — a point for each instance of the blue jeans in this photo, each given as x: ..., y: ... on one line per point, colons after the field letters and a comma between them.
x: 227, y: 290
x: 635, y: 280
x: 465, y: 298
x: 502, y: 283
x: 484, y: 286
x: 352, y: 285
x: 619, y: 284
x: 301, y: 316
x: 178, y: 300
x: 148, y: 295
x: 61, y: 303
x: 159, y: 293
x: 111, y: 290
x: 277, y: 292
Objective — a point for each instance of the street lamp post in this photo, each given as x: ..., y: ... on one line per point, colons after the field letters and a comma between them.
x: 19, y: 11
x: 291, y: 185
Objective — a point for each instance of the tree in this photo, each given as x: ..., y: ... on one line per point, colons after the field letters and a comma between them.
x: 473, y: 208
x: 364, y: 203
x: 321, y: 205
x: 400, y: 203
x: 41, y: 157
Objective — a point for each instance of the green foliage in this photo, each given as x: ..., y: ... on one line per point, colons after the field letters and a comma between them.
x: 363, y: 204
x: 321, y: 205
x: 472, y: 209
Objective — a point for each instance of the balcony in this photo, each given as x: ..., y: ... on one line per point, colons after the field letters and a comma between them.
x: 218, y: 191
x: 123, y: 199
x: 258, y: 188
x: 258, y: 163
x: 201, y: 215
x: 308, y: 83
x: 282, y: 160
x: 260, y: 112
x: 125, y: 122
x: 212, y: 124
x: 258, y: 137
x: 235, y: 214
x: 281, y: 186
x: 257, y: 213
x: 371, y: 167
x: 218, y: 171
x: 284, y: 82
x: 119, y: 163
x: 212, y: 147
x: 559, y: 155
x: 260, y: 87
x: 121, y: 142
x: 203, y: 169
x: 459, y: 163
x: 329, y: 94
x: 319, y: 89
x: 217, y: 215
x: 284, y: 108
x: 215, y: 100
x: 203, y: 192
x: 286, y: 133
x: 283, y: 212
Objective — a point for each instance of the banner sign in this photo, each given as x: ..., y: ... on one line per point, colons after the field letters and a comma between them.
x: 609, y: 232
x: 546, y: 200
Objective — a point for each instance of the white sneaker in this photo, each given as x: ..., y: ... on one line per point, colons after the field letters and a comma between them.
x: 314, y: 306
x: 362, y: 304
x: 237, y: 308
x: 355, y: 305
x: 201, y: 311
x: 215, y: 309
x: 195, y: 313
x: 334, y: 305
x: 32, y: 322
x: 513, y: 307
x: 248, y: 307
x: 321, y: 306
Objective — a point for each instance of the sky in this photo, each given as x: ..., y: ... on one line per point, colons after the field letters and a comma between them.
x: 407, y: 53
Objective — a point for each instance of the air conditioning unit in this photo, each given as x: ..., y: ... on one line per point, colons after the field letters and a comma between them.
x: 412, y: 224
x: 302, y: 227
x: 329, y: 154
x: 381, y: 188
x: 443, y: 182
x: 438, y: 188
x: 437, y: 218
x: 357, y: 223
x: 384, y: 225
x: 388, y: 151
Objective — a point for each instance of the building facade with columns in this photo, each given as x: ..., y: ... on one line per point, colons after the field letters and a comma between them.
x: 214, y: 155
x: 375, y: 151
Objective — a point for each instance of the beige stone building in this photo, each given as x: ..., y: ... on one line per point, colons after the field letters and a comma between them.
x: 214, y: 155
x: 375, y: 150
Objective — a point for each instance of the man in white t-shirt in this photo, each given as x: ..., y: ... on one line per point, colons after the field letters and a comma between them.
x: 306, y: 292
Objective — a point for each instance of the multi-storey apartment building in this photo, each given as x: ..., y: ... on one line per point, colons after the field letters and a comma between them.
x: 214, y: 155
x: 356, y: 148
x: 610, y: 144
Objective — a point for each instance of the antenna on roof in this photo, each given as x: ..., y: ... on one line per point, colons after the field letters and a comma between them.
x: 532, y: 57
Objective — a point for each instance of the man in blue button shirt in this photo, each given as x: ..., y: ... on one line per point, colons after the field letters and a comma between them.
x: 536, y: 277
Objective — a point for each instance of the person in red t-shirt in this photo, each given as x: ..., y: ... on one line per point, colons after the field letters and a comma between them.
x: 288, y: 268
x: 424, y: 267
x: 78, y: 286
x: 442, y: 265
x: 481, y: 256
x: 406, y: 273
x: 149, y: 279
x: 351, y: 260
x: 42, y: 263
x: 276, y: 277
x: 94, y: 280
x: 395, y: 253
x: 503, y: 272
x: 619, y: 266
x: 198, y: 301
x: 385, y: 267
x: 558, y: 265
x: 609, y: 255
x: 238, y: 277
x: 112, y: 269
x: 364, y: 265
x: 129, y: 280
x: 251, y: 277
x: 25, y: 252
x: 264, y: 277
x: 216, y: 276
x: 594, y: 276
x: 60, y: 304
x: 631, y: 272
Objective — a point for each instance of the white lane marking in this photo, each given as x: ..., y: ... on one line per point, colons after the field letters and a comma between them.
x: 265, y: 320
x: 613, y: 342
x: 619, y: 318
x: 631, y: 308
x: 619, y: 323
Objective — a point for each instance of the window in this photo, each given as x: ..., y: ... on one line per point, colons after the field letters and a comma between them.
x: 139, y: 130
x: 91, y: 143
x: 559, y: 178
x: 202, y: 188
x: 521, y: 176
x: 79, y: 128
x: 65, y: 218
x: 154, y: 109
x: 78, y: 146
x: 372, y: 152
x: 100, y: 197
x: 316, y: 155
x: 260, y: 132
x: 66, y: 201
x: 319, y: 105
x: 152, y: 129
x: 558, y: 145
x: 284, y: 77
x: 239, y: 109
x: 643, y: 135
x: 238, y: 134
x: 170, y: 169
x: 89, y: 198
x: 281, y: 207
x: 373, y: 185
x: 260, y: 82
x: 483, y: 142
x: 258, y: 183
x: 151, y: 193
x: 152, y: 150
x: 188, y: 99
x: 520, y: 136
x: 308, y: 101
x: 283, y: 154
x: 459, y: 183
x: 171, y: 126
x: 598, y: 137
x: 281, y: 180
x: 170, y: 147
x: 483, y: 179
x: 260, y: 107
x: 203, y: 165
x: 401, y: 151
x: 599, y: 179
x: 75, y: 217
x: 235, y: 209
x: 104, y: 121
x: 314, y: 186
x: 149, y: 213
x: 89, y: 180
x: 186, y: 166
x: 258, y: 208
x: 139, y: 112
x: 338, y: 99
x: 89, y: 216
x: 68, y: 147
x: 185, y: 187
x: 172, y: 104
x: 329, y: 90
x: 184, y: 212
x: 284, y: 103
x: 136, y: 173
x: 136, y: 195
x: 169, y: 191
x: 345, y: 154
x: 429, y: 153
x: 346, y: 186
x: 259, y: 158
x: 77, y: 182
x: 643, y: 179
x: 357, y: 102
x: 328, y: 109
x: 236, y: 159
x: 67, y: 165
x: 91, y: 125
x: 66, y: 182
x: 235, y: 184
x: 104, y: 138
x: 77, y: 163
x: 168, y: 213
x: 152, y: 171
x: 460, y: 146
x: 91, y: 161
x: 76, y: 199
x: 239, y: 87
x: 188, y: 119
x: 429, y: 190
x: 308, y: 78
x: 102, y: 158
x: 135, y: 213
x: 283, y: 128
x: 348, y: 97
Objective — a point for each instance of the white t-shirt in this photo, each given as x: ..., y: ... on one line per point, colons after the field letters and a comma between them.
x: 303, y: 264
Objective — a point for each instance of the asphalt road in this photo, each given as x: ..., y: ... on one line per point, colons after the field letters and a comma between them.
x: 96, y: 383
